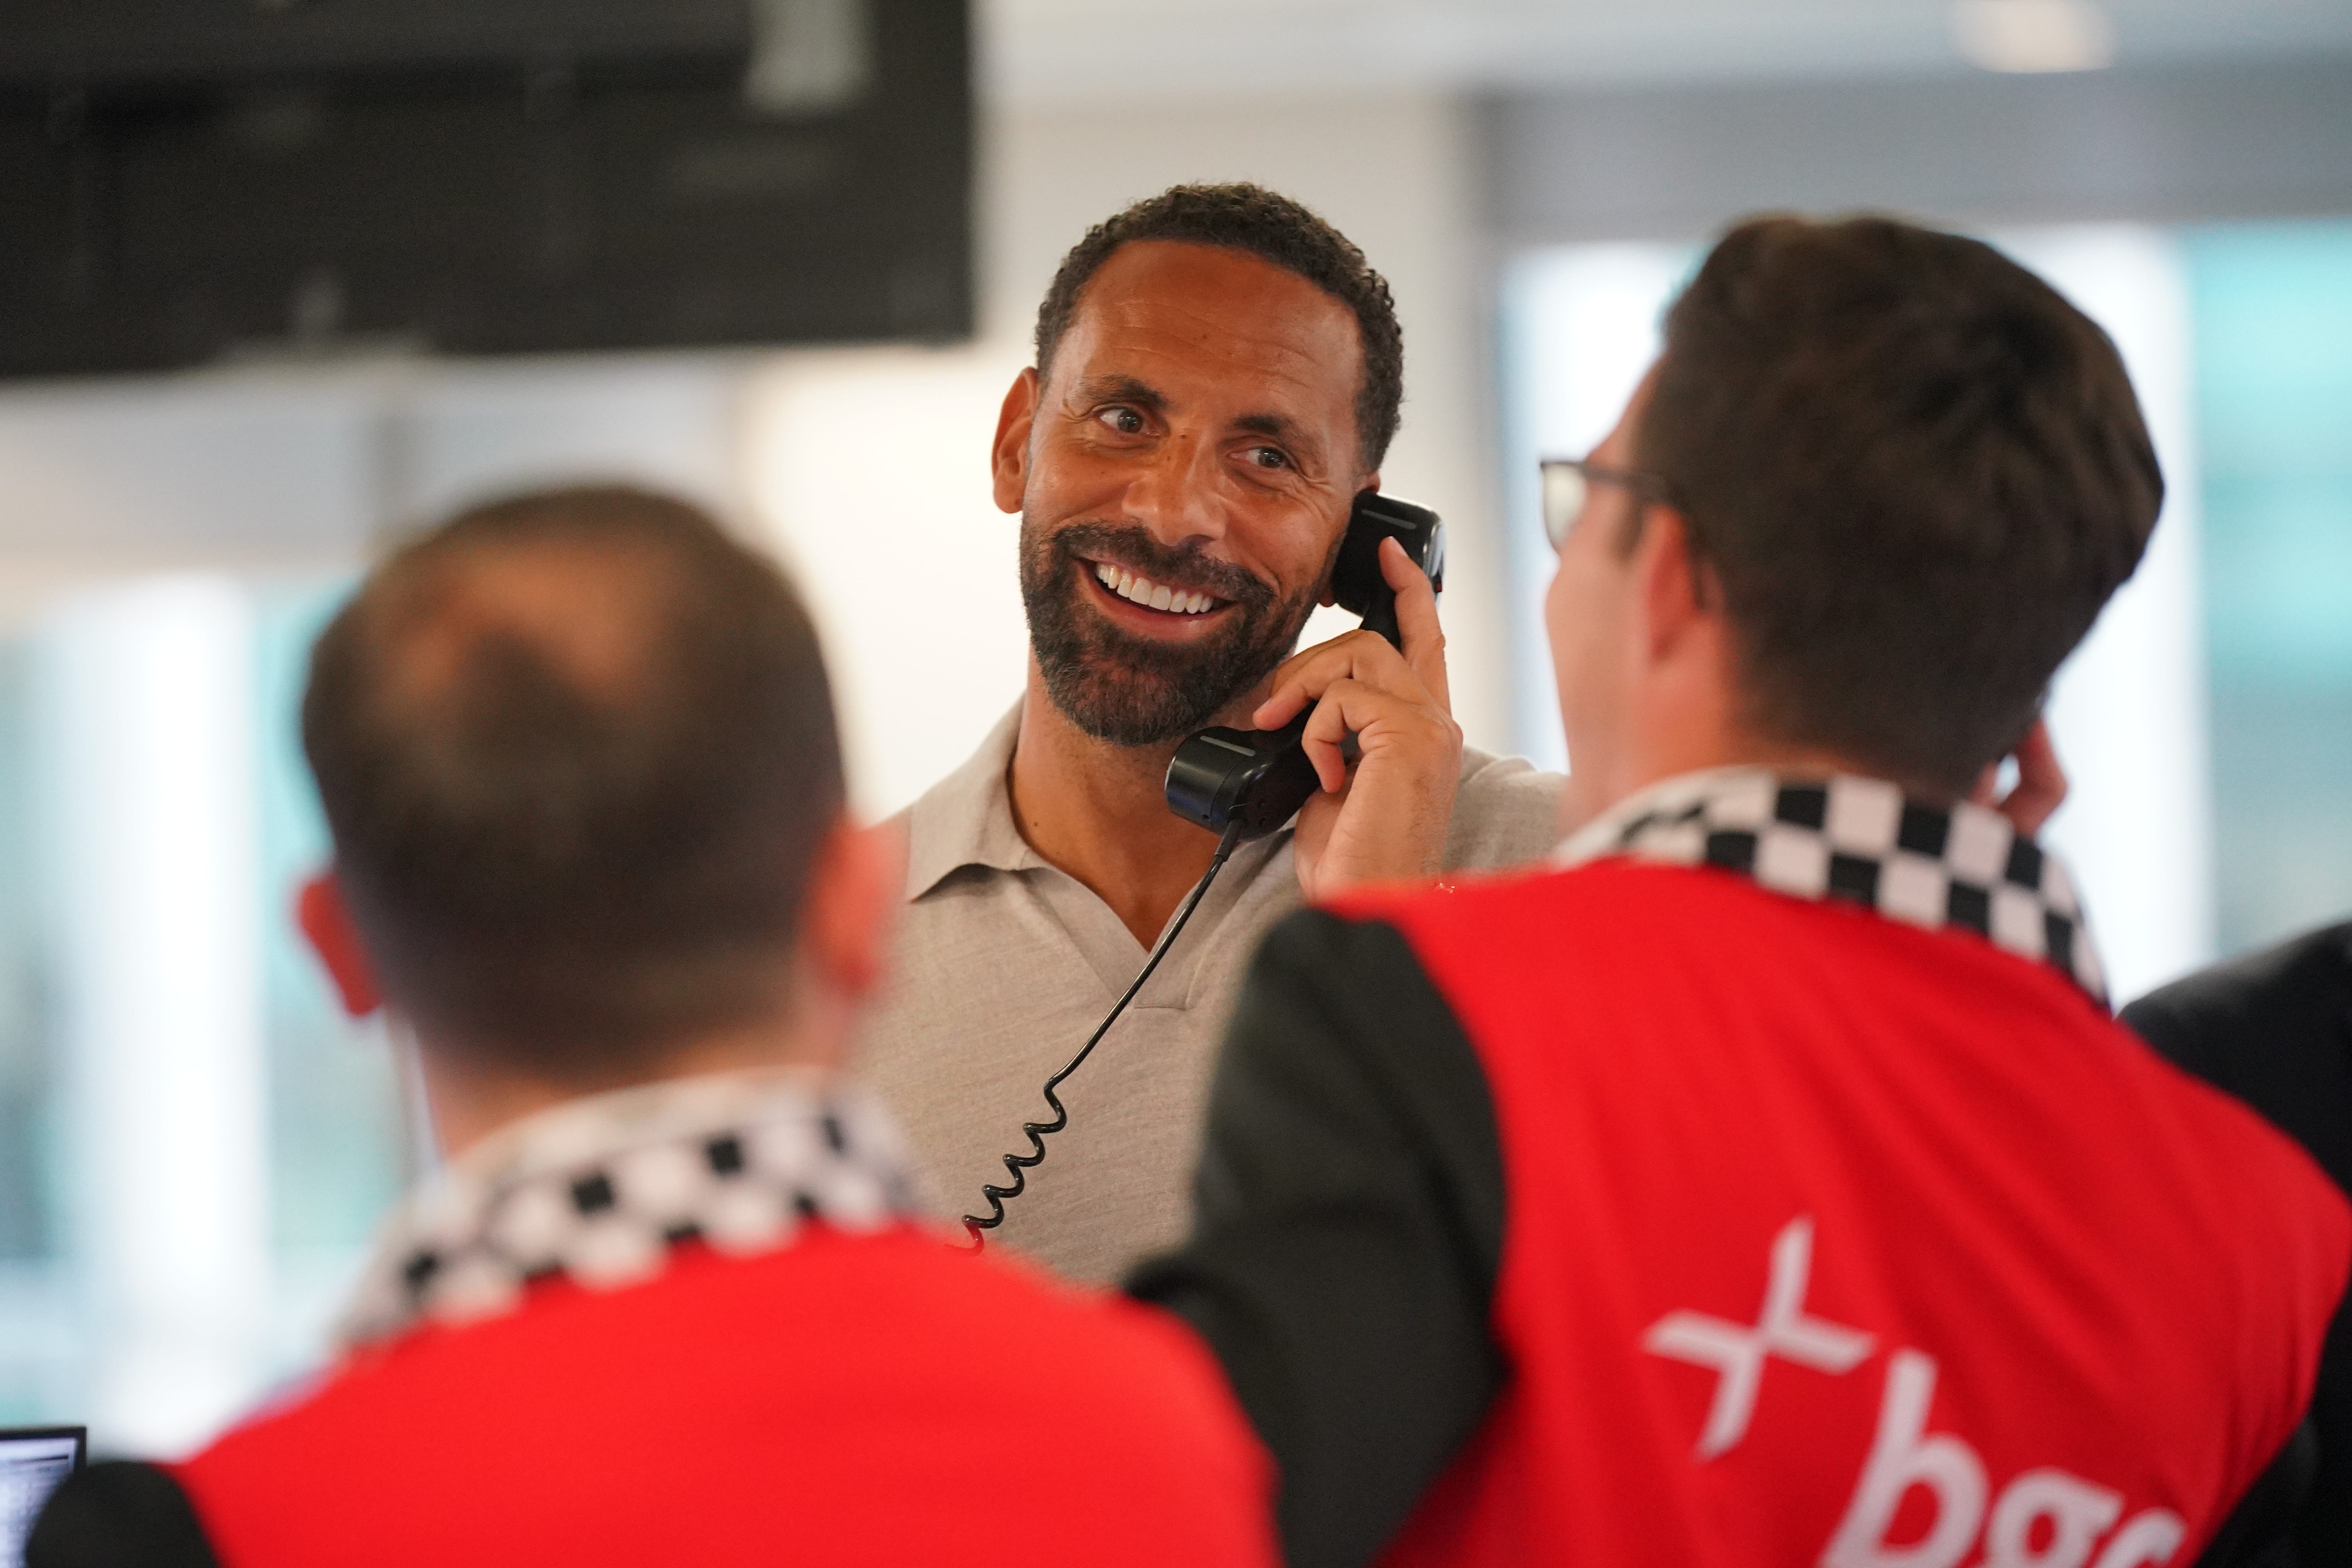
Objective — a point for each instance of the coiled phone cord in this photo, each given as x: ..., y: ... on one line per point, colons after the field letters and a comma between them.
x: 1038, y: 1131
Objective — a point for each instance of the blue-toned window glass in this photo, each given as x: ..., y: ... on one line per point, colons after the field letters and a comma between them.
x: 335, y: 1133
x: 36, y: 1366
x: 336, y: 1144
x: 2273, y: 314
x: 27, y: 1221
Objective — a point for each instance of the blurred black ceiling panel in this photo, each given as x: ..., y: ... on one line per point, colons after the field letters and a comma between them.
x: 120, y: 42
x: 495, y: 176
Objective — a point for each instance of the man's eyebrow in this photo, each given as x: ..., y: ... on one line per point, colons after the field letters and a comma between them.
x: 1281, y: 427
x: 1121, y: 389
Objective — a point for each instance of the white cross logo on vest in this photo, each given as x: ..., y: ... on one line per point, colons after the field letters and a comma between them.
x: 1904, y: 1454
x: 1736, y: 1351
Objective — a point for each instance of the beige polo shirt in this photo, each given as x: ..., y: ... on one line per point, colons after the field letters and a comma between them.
x: 1005, y: 965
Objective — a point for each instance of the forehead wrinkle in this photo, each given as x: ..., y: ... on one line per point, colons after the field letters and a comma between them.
x: 1220, y: 335
x: 1298, y: 370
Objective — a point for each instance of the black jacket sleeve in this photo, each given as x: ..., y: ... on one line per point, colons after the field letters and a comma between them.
x: 1349, y: 1227
x: 2275, y: 1030
x: 119, y: 1515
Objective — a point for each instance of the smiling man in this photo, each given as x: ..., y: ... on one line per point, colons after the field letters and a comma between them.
x: 1219, y: 373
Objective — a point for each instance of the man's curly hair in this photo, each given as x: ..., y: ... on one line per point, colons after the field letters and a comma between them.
x: 1272, y: 226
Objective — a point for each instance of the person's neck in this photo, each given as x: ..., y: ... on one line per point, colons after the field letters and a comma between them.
x: 1099, y: 812
x: 469, y: 1099
x: 1592, y: 792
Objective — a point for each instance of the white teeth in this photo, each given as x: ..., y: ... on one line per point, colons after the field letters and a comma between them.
x: 1144, y: 591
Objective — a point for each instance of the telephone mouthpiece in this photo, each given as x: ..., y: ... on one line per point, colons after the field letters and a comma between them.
x: 1259, y: 777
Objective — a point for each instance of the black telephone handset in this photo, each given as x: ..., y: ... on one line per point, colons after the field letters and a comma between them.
x: 1241, y: 784
x: 1260, y: 778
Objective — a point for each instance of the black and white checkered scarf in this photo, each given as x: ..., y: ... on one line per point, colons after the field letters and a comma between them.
x: 1859, y: 839
x: 601, y: 1188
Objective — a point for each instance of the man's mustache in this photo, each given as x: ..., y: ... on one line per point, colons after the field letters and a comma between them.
x: 1185, y: 568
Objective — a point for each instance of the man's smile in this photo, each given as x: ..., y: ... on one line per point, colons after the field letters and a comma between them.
x: 1142, y: 590
x: 1134, y: 600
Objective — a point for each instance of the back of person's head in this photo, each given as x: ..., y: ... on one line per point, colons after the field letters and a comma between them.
x: 1274, y: 228
x: 577, y: 752
x: 1917, y: 474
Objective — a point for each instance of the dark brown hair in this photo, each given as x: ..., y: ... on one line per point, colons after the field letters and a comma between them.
x: 1272, y: 228
x: 1917, y: 474
x: 577, y: 752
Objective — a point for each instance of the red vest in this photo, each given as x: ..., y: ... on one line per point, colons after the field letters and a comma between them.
x: 1833, y: 1239
x: 842, y: 1400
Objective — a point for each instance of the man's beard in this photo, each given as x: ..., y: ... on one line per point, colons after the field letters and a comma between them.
x: 1140, y: 691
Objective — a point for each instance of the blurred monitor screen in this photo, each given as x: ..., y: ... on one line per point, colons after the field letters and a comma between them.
x: 182, y: 184
x: 32, y: 1463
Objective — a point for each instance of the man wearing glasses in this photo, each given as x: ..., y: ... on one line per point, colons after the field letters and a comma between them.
x: 1764, y: 1181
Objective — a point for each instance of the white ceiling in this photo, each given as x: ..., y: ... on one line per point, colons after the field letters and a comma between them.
x: 1071, y: 51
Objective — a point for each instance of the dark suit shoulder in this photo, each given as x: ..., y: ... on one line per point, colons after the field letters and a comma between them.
x: 2223, y: 1022
x: 2274, y: 1029
x: 2316, y: 963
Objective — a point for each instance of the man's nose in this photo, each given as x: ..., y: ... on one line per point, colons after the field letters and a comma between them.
x: 1176, y: 495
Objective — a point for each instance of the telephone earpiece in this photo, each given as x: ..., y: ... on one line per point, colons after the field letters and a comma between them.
x: 1356, y: 580
x: 1260, y: 778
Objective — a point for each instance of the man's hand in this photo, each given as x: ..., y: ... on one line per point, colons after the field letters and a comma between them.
x: 1388, y: 820
x: 2040, y: 786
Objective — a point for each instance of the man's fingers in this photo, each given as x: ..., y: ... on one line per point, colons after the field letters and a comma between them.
x: 2041, y: 787
x: 1353, y: 656
x: 1418, y: 673
x: 1416, y: 612
x: 1326, y: 734
x: 2041, y: 782
x: 1381, y: 722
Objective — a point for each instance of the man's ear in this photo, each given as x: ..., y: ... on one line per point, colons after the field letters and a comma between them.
x: 1679, y: 592
x: 855, y: 890
x: 326, y: 920
x: 1009, y: 456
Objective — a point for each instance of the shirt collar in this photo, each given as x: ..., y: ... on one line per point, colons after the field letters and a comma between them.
x: 1863, y: 841
x: 966, y: 818
x: 600, y: 1189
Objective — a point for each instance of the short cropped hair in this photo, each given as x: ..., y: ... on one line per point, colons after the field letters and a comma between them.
x: 577, y: 752
x: 1272, y: 227
x: 1917, y: 474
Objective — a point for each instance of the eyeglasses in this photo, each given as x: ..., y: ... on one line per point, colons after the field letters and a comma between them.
x: 1567, y: 487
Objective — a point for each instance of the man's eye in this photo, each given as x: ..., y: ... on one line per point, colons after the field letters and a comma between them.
x: 1125, y: 421
x: 1269, y: 457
